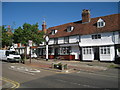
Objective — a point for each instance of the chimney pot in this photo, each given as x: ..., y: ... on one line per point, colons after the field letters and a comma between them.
x: 85, y: 16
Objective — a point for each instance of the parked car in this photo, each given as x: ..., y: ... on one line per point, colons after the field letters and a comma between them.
x: 9, y: 55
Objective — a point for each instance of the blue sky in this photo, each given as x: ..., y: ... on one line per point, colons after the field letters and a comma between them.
x: 17, y: 13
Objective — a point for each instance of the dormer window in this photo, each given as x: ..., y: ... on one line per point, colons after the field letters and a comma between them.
x: 100, y: 23
x: 53, y: 32
x: 70, y: 28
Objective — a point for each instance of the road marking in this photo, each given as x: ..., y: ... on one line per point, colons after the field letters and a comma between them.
x: 14, y: 83
x: 98, y: 74
x: 77, y: 83
x: 24, y: 70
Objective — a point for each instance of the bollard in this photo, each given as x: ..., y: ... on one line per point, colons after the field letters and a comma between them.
x: 52, y: 65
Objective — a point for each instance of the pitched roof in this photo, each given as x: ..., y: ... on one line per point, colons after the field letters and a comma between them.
x: 39, y: 31
x: 111, y: 24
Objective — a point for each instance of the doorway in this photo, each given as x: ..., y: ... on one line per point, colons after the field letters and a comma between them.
x: 56, y: 52
x: 96, y: 53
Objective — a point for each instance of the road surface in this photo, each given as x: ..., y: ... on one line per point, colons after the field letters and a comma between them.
x: 28, y: 77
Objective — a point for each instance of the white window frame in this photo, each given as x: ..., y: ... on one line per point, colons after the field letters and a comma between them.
x: 66, y: 39
x: 87, y: 50
x: 100, y: 23
x: 105, y: 50
x: 64, y: 50
x: 70, y: 28
x: 53, y: 32
x: 96, y: 36
x: 55, y: 40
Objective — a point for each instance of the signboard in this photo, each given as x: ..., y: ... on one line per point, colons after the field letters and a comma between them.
x: 15, y: 45
x: 30, y: 42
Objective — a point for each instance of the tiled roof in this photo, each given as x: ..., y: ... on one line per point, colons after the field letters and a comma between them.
x: 39, y: 30
x: 111, y: 24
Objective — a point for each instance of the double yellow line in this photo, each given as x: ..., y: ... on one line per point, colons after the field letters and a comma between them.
x: 15, y: 84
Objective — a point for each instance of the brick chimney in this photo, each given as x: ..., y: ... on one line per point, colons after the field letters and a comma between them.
x: 44, y: 27
x: 85, y: 16
x: 9, y: 29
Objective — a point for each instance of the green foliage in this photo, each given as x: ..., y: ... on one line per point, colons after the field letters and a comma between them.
x: 6, y: 37
x: 28, y: 32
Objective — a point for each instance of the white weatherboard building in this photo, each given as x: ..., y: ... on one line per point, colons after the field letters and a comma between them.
x: 88, y: 39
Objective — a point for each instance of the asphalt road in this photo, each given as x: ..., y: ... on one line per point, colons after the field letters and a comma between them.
x: 28, y: 77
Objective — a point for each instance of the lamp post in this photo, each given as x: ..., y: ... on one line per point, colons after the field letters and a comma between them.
x: 80, y: 49
x: 30, y: 54
x: 47, y: 39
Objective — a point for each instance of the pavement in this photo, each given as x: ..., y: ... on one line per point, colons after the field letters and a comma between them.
x: 94, y: 66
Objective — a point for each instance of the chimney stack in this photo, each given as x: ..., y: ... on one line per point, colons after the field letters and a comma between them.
x: 44, y: 27
x: 85, y: 16
x: 9, y: 28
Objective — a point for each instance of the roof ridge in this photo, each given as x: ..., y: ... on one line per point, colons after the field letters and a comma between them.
x: 81, y: 20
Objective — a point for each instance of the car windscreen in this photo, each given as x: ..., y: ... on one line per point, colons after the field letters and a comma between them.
x: 11, y: 52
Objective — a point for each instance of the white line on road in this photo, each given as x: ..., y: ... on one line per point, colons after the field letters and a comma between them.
x: 24, y: 70
x: 99, y: 74
x: 77, y: 83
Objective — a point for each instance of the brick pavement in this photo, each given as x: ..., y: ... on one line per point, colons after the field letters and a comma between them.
x: 75, y: 65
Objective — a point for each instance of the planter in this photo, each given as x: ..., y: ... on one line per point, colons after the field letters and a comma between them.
x: 59, y: 66
x: 51, y: 56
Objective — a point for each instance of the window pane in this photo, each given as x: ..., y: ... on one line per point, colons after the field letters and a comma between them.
x: 108, y: 50
x: 83, y: 50
x: 101, y: 50
x: 99, y: 36
x: 98, y: 24
x: 102, y: 24
x: 92, y: 36
x: 95, y: 36
x: 56, y: 41
x: 87, y: 50
x: 66, y: 39
x: 90, y: 50
x: 105, y: 50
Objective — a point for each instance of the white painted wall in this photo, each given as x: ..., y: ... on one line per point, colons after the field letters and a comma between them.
x: 51, y: 41
x: 21, y: 51
x: 88, y: 57
x: 73, y: 39
x: 61, y: 40
x: 28, y: 50
x: 116, y: 37
x: 106, y: 39
x: 75, y: 51
x: 108, y: 57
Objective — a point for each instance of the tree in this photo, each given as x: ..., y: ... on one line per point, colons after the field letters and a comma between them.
x: 28, y: 32
x: 7, y: 37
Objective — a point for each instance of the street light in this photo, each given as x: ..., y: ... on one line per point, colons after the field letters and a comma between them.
x: 47, y: 39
